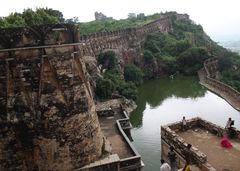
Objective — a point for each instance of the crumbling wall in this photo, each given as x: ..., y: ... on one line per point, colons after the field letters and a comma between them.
x: 47, y: 113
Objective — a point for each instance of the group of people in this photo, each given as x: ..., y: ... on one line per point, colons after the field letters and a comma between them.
x: 230, y: 132
x: 172, y: 156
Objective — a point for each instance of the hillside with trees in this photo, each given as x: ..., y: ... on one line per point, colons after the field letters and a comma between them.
x: 182, y: 50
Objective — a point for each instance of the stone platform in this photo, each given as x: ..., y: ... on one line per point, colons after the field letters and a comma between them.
x: 206, y: 152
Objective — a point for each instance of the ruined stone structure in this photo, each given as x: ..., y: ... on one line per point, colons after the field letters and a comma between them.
x: 208, y: 75
x: 47, y: 113
x: 101, y: 17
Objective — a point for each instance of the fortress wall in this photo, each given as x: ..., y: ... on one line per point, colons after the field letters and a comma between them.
x: 47, y: 114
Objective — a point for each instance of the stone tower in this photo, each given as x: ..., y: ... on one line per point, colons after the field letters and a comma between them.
x: 47, y: 113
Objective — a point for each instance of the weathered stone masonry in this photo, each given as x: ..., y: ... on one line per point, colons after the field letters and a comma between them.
x: 47, y: 114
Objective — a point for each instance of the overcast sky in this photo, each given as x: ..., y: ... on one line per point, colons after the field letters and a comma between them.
x: 219, y: 18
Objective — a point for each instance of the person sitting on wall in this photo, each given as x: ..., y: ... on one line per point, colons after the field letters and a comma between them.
x: 165, y: 166
x: 172, y: 158
x: 231, y: 131
x: 184, y: 124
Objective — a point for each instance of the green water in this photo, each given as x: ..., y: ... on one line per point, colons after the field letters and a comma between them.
x: 168, y: 100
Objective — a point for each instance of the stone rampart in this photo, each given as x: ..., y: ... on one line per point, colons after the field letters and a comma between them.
x: 92, y: 44
x: 208, y: 78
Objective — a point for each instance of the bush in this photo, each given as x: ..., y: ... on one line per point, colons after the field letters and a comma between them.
x: 130, y: 91
x: 104, y: 88
x: 108, y: 59
x: 191, y: 60
x: 134, y: 74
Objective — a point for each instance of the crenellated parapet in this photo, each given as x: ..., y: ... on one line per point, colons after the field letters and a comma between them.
x: 92, y: 44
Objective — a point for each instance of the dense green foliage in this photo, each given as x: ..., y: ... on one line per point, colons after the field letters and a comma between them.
x: 229, y: 67
x: 112, y: 81
x: 173, y: 54
x: 104, y: 88
x: 111, y: 24
x: 191, y: 60
x: 184, y: 51
x: 134, y: 74
x: 108, y: 60
x: 30, y: 17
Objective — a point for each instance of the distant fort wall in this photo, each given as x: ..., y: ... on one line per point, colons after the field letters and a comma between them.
x: 208, y: 76
x: 61, y: 35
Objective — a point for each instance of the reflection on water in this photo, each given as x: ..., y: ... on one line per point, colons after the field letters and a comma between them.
x: 165, y: 101
x: 154, y: 92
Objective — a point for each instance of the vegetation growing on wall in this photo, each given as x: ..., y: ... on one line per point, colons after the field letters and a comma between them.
x: 229, y: 67
x: 173, y: 54
x: 113, y: 82
x: 133, y: 74
x: 111, y: 24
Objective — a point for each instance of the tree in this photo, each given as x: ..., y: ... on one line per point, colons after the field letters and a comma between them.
x: 14, y: 20
x: 108, y: 59
x: 133, y: 73
x: 40, y: 16
x: 191, y: 60
x: 55, y: 13
x: 73, y: 20
x: 104, y: 88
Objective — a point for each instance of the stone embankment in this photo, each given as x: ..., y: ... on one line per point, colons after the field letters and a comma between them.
x: 207, y: 76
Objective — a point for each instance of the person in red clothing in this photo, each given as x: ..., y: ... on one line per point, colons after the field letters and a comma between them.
x: 226, y: 143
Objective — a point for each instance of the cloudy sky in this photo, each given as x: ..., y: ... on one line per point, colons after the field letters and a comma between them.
x: 219, y: 18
